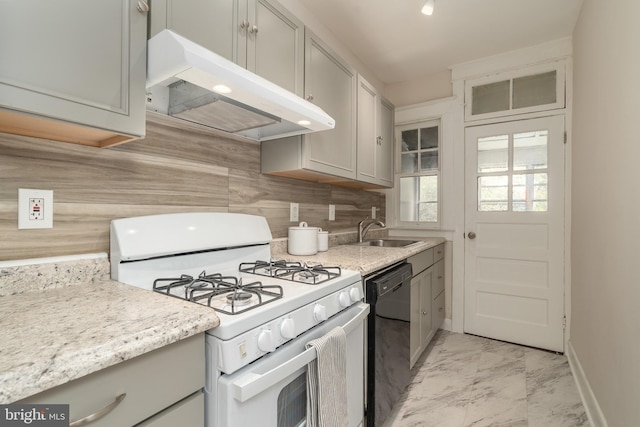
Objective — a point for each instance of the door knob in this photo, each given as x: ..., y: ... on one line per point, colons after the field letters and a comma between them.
x: 471, y: 235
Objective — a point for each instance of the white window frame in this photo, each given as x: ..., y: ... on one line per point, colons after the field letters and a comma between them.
x: 398, y: 175
x: 469, y: 84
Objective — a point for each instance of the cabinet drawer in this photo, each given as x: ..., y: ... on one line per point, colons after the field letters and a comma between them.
x: 438, y: 252
x: 188, y: 412
x: 438, y: 311
x: 152, y: 382
x: 421, y: 261
x: 438, y: 278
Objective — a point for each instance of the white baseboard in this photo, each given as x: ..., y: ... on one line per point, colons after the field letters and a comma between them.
x: 591, y: 407
x: 446, y: 325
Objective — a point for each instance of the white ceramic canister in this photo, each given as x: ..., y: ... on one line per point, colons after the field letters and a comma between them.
x: 303, y: 240
x: 323, y: 240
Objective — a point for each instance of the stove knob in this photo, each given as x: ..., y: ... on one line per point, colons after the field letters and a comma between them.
x: 288, y: 329
x: 265, y: 341
x: 344, y: 299
x: 354, y: 293
x: 320, y: 313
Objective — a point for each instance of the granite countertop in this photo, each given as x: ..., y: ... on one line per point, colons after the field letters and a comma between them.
x: 54, y: 334
x: 366, y: 259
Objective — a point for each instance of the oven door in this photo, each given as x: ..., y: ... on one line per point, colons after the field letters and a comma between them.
x: 272, y: 390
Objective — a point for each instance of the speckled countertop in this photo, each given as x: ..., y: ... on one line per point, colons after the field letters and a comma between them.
x: 57, y: 326
x: 366, y: 259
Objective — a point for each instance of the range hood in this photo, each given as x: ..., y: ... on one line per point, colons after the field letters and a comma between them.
x: 192, y: 83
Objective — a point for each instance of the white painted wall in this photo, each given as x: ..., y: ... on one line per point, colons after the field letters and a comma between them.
x: 605, y: 244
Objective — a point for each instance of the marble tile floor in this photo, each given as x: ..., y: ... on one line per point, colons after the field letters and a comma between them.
x: 464, y: 381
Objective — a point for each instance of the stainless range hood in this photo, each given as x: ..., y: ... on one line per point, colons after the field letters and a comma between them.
x: 189, y: 82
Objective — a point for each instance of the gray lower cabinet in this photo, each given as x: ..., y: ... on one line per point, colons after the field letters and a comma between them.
x: 327, y: 156
x: 259, y: 35
x: 155, y: 395
x: 73, y: 71
x: 427, y: 298
x: 375, y: 136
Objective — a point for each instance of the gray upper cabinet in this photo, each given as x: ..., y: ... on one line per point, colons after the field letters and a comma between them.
x: 327, y: 156
x: 259, y: 35
x: 73, y: 71
x: 375, y: 136
x: 330, y: 83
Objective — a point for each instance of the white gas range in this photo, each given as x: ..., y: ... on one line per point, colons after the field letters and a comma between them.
x: 269, y: 310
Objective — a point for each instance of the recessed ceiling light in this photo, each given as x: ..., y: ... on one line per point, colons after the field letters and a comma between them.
x: 427, y: 9
x: 304, y: 122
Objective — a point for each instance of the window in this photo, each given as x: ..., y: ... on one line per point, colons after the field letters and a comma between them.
x: 536, y: 88
x: 419, y: 177
x: 513, y: 165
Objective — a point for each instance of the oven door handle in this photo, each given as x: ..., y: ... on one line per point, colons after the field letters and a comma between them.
x: 252, y: 384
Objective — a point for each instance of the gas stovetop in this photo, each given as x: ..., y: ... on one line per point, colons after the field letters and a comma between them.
x: 225, y: 294
x: 203, y: 257
x: 291, y: 270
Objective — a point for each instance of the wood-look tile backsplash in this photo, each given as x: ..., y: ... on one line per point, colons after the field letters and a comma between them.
x: 175, y: 168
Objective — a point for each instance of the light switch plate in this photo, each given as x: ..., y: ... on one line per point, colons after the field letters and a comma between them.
x: 332, y: 212
x: 35, y: 208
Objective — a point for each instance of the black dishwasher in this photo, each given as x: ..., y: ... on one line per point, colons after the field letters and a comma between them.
x: 388, y: 339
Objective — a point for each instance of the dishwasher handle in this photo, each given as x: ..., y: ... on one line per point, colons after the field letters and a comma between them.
x: 391, y: 279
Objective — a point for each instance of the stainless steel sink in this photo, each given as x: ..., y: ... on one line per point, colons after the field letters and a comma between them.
x: 386, y: 243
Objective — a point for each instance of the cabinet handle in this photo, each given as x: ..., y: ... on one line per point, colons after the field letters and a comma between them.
x: 101, y: 413
x: 424, y: 313
x: 244, y: 24
x: 379, y: 140
x: 143, y: 6
x: 254, y: 29
x: 310, y: 97
x: 439, y: 277
x: 440, y: 309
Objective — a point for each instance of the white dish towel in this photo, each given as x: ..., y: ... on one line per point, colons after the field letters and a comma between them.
x: 327, y: 381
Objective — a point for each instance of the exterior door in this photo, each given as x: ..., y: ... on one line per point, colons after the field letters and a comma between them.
x: 514, y: 219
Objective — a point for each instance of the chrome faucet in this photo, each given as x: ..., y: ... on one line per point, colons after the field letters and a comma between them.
x: 362, y: 229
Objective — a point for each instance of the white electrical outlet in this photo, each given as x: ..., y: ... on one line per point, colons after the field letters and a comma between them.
x: 35, y: 208
x: 332, y: 212
x: 293, y: 212
x: 373, y: 212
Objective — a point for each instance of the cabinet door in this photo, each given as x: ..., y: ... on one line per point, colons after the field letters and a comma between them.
x: 375, y: 136
x: 275, y: 47
x: 367, y: 132
x: 384, y: 159
x: 425, y: 307
x: 421, y: 316
x: 79, y: 62
x: 331, y: 84
x: 212, y: 24
x: 415, y: 345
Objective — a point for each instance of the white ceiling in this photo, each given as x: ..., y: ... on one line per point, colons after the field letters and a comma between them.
x: 398, y: 43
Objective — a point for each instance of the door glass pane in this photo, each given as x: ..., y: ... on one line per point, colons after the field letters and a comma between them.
x: 493, y: 154
x: 530, y: 150
x: 539, y: 89
x: 530, y: 192
x: 429, y: 137
x: 490, y: 97
x: 493, y: 194
x: 410, y: 140
x: 409, y: 163
x: 429, y: 160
